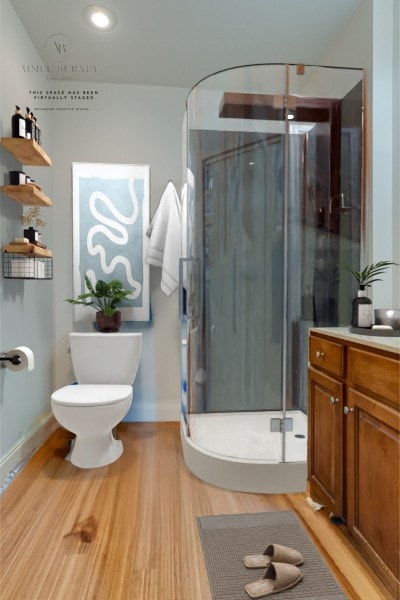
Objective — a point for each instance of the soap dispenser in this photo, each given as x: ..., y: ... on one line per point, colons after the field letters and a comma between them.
x: 362, y: 310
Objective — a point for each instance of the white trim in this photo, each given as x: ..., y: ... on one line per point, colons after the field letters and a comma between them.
x: 32, y: 441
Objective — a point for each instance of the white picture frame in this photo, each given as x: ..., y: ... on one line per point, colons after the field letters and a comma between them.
x: 110, y: 219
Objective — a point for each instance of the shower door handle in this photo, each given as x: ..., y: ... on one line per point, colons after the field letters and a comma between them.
x: 186, y: 308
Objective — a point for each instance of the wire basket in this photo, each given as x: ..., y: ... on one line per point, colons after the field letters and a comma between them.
x: 26, y: 266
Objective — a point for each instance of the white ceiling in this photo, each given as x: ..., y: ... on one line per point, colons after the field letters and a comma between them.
x: 178, y: 42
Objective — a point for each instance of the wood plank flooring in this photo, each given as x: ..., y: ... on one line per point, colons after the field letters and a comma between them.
x: 128, y: 531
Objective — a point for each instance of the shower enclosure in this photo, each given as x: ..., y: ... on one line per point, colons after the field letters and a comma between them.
x: 272, y: 204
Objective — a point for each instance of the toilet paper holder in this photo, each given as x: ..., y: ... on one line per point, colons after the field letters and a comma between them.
x: 18, y: 359
x: 14, y: 359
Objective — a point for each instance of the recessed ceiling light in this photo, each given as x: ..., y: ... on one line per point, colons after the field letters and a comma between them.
x: 100, y: 20
x: 99, y: 17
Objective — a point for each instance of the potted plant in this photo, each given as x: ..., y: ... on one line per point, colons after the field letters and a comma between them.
x: 362, y: 306
x: 368, y: 276
x: 32, y: 218
x: 104, y: 297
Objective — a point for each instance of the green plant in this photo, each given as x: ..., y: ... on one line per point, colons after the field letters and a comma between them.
x: 105, y: 296
x: 369, y: 274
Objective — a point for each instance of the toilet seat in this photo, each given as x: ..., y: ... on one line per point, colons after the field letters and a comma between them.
x: 92, y: 395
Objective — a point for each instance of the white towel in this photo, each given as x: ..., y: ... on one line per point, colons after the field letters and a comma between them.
x: 165, y: 232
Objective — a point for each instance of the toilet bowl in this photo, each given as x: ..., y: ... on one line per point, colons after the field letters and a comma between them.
x: 105, y: 366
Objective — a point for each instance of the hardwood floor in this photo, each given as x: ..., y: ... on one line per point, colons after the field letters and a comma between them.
x: 128, y: 531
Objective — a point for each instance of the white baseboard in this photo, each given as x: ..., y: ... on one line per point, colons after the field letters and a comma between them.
x: 24, y: 448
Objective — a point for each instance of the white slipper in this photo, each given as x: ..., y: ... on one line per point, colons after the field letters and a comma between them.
x: 274, y: 553
x: 278, y: 577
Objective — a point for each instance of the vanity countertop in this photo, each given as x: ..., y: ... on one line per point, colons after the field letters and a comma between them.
x: 383, y: 343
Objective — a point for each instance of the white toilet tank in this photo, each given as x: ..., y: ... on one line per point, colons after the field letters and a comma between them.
x: 105, y: 358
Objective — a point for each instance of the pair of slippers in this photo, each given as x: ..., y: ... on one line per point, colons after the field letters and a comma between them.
x: 281, y: 573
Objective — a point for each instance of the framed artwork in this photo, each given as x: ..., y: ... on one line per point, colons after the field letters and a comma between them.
x: 110, y: 220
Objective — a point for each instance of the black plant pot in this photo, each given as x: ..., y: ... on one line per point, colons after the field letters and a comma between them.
x: 106, y: 324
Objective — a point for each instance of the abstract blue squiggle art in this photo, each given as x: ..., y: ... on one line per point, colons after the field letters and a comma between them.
x: 111, y: 216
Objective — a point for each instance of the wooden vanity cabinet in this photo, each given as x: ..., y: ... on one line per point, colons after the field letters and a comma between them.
x: 354, y: 443
x: 325, y: 455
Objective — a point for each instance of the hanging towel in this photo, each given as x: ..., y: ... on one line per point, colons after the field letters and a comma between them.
x: 165, y: 231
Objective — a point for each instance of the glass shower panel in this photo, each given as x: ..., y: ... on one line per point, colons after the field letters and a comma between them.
x: 236, y: 153
x: 272, y: 204
x: 244, y: 275
x: 324, y: 203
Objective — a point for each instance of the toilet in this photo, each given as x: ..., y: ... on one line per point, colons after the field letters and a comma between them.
x: 105, y: 367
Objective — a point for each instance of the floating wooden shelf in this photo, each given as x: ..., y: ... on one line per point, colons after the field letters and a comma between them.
x: 27, y: 261
x: 26, y: 194
x: 28, y: 249
x: 27, y: 152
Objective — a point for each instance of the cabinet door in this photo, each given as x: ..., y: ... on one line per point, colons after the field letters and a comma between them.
x: 372, y: 477
x: 325, y: 441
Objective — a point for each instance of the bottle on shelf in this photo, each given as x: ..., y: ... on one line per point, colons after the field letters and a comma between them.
x: 31, y: 234
x: 28, y: 124
x: 33, y: 126
x: 362, y: 310
x: 38, y: 132
x: 17, y: 177
x: 17, y: 124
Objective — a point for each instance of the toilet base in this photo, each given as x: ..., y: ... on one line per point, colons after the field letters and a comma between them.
x: 94, y: 451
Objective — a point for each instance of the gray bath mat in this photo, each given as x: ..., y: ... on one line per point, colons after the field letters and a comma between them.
x: 226, y: 539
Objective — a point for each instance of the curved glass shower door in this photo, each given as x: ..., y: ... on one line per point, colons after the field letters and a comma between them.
x: 262, y: 153
x: 243, y: 267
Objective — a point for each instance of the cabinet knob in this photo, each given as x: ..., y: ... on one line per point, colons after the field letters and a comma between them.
x: 319, y: 354
x: 333, y: 400
x: 347, y: 410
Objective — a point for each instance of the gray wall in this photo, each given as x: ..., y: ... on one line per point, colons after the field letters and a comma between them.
x: 27, y: 307
x: 129, y: 125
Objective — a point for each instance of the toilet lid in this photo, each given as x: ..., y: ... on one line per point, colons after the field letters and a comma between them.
x: 92, y: 395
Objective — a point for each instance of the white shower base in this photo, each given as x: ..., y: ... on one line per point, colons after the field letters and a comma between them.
x: 238, y: 451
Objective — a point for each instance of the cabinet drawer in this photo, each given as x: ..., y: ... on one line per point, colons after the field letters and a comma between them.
x: 326, y: 355
x: 374, y: 373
